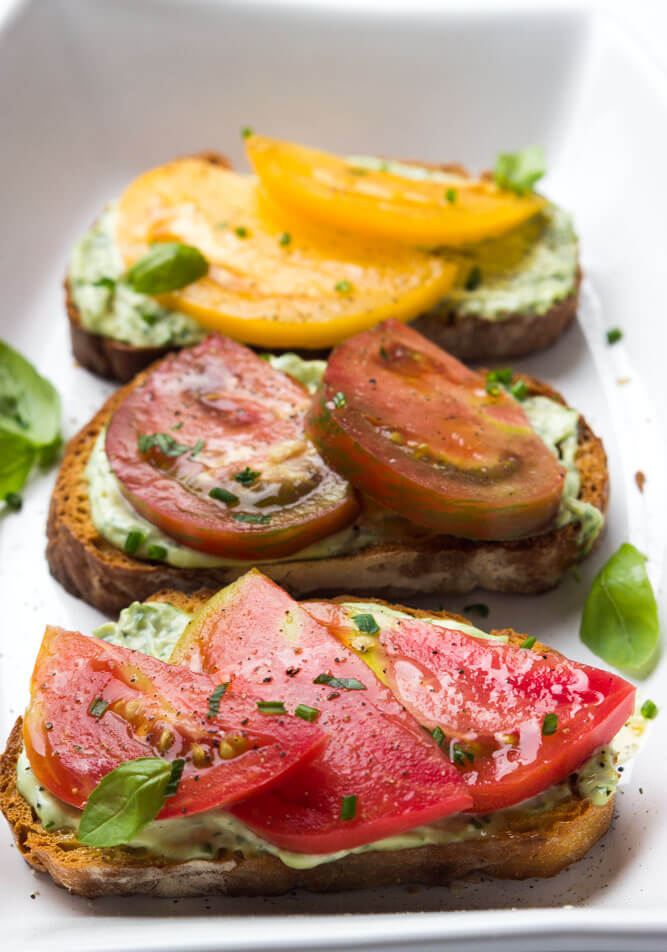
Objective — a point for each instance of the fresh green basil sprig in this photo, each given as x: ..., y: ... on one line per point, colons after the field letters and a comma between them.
x: 620, y: 619
x: 29, y: 421
x: 519, y: 171
x: 167, y: 267
x: 127, y: 799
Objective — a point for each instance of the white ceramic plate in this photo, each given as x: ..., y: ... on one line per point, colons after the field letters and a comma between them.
x: 94, y: 91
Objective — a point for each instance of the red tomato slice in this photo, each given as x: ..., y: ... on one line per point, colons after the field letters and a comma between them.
x: 416, y: 430
x: 95, y: 705
x: 376, y: 752
x: 216, y: 418
x: 490, y: 699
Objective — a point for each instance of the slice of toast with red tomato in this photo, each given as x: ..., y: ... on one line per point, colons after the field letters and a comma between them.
x: 363, y: 755
x: 212, y: 447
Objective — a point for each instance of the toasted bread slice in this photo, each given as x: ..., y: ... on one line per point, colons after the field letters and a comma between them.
x: 91, y: 568
x: 528, y: 844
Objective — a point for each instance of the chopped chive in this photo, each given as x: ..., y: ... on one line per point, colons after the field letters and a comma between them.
x: 450, y: 195
x: 306, y: 713
x: 459, y: 755
x: 177, y: 426
x: 339, y: 400
x: 366, y: 622
x: 246, y: 132
x: 528, y: 643
x: 223, y: 495
x: 14, y: 501
x: 164, y: 442
x: 197, y: 448
x: 614, y: 335
x: 474, y: 279
x: 157, y: 552
x: 98, y: 707
x: 492, y: 389
x: 175, y: 777
x: 343, y: 287
x: 104, y: 282
x: 133, y: 540
x: 649, y: 710
x: 348, y: 807
x: 271, y: 707
x: 438, y: 735
x: 383, y: 353
x: 148, y: 318
x: 214, y: 701
x: 550, y: 724
x: 519, y: 390
x: 247, y: 476
x: 501, y: 375
x: 479, y: 608
x: 254, y: 518
x: 347, y: 684
x: 285, y: 239
x: 241, y: 231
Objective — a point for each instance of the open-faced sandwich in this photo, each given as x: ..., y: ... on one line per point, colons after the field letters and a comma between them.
x: 248, y: 743
x: 404, y: 472
x: 315, y: 248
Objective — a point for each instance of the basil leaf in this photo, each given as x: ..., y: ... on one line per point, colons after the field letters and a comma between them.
x: 29, y: 404
x: 124, y: 802
x: 519, y: 171
x: 16, y: 460
x: 167, y: 267
x: 620, y: 619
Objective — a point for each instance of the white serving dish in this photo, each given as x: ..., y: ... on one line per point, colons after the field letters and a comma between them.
x: 94, y: 91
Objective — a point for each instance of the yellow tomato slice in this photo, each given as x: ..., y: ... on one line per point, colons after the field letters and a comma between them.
x: 439, y: 209
x: 275, y: 279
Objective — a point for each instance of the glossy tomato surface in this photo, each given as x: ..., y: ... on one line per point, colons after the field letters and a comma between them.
x: 94, y: 706
x: 490, y: 699
x: 376, y: 752
x: 211, y: 449
x: 415, y: 429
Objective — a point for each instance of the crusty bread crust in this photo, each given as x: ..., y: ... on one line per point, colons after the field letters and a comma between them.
x: 91, y: 568
x: 103, y: 355
x: 529, y: 845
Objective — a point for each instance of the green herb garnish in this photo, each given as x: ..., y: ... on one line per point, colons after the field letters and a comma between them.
x: 348, y: 807
x: 528, y: 643
x: 223, y: 495
x: 383, y: 353
x: 133, y: 540
x: 519, y: 171
x: 14, y: 501
x: 346, y: 684
x: 438, y: 735
x: 98, y: 707
x: 125, y: 801
x: 502, y: 375
x: 157, y: 552
x: 519, y: 390
x: 550, y: 724
x: 271, y: 707
x: 339, y: 400
x: 197, y: 448
x: 343, y: 287
x: 366, y: 622
x: 478, y: 608
x: 104, y: 282
x: 246, y: 132
x: 614, y: 335
x: 247, y: 476
x: 284, y: 239
x: 241, y: 231
x: 174, y: 777
x: 620, y: 618
x: 460, y: 755
x: 254, y: 518
x: 306, y: 713
x: 450, y: 195
x: 214, y: 701
x: 474, y: 278
x: 164, y: 442
x: 649, y: 710
x: 167, y: 267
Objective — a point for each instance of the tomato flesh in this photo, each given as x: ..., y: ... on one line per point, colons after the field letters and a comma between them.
x: 375, y: 750
x: 216, y: 418
x: 490, y: 700
x: 415, y: 429
x: 94, y: 706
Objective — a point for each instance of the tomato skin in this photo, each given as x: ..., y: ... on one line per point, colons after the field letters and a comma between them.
x: 415, y: 429
x: 248, y: 415
x: 482, y: 694
x: 70, y: 749
x: 375, y: 751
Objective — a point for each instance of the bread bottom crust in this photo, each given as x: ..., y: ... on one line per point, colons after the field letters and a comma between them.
x: 531, y: 845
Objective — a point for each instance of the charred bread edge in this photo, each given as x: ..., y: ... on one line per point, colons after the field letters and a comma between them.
x: 106, y: 356
x: 91, y: 568
x: 530, y: 845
